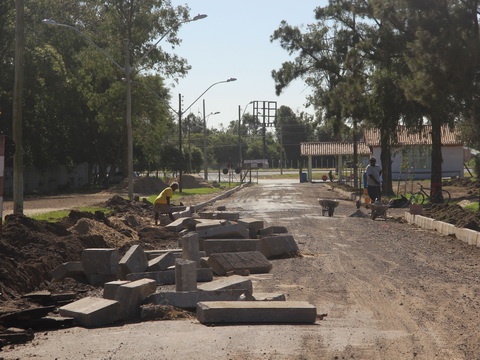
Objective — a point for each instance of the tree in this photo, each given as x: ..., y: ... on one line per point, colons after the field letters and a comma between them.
x: 439, y: 59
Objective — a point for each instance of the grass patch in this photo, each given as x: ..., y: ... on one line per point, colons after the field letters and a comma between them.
x: 55, y: 216
x: 472, y: 207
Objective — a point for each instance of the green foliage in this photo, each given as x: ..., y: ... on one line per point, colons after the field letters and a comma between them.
x: 55, y: 216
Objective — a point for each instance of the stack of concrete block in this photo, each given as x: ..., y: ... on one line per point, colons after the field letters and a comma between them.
x: 122, y: 300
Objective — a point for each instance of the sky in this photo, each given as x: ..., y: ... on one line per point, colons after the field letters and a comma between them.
x: 234, y: 41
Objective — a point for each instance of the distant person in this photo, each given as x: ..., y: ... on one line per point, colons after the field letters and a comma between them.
x: 162, y: 204
x: 374, y: 173
x: 330, y: 175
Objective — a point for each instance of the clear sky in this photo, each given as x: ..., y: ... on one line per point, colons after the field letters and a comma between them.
x: 234, y: 41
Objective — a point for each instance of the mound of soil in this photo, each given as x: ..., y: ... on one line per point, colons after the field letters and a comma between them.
x: 31, y: 249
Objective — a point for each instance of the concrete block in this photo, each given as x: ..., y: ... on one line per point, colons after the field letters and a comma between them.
x: 133, y: 261
x: 225, y: 215
x: 460, y: 234
x: 92, y: 312
x: 167, y: 277
x: 161, y: 262
x: 260, y: 296
x: 471, y: 236
x: 183, y: 214
x: 185, y: 275
x: 230, y: 231
x: 234, y: 282
x: 151, y: 254
x: 410, y: 218
x: 444, y: 228
x: 100, y: 279
x: 204, y: 224
x: 279, y: 246
x: 235, y: 312
x: 429, y: 224
x: 191, y: 247
x: 253, y: 261
x: 419, y: 220
x: 271, y: 230
x: 132, y: 294
x: 67, y: 269
x: 110, y: 288
x: 100, y: 261
x: 253, y: 226
x: 189, y: 299
x: 181, y: 224
x: 212, y: 246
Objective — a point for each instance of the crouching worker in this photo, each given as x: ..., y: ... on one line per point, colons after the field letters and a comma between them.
x: 162, y: 205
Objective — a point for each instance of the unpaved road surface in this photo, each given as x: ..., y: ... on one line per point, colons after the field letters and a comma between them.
x: 388, y: 291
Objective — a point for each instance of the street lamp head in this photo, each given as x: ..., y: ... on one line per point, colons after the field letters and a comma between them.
x: 231, y: 79
x: 199, y: 17
x: 49, y: 22
x: 216, y: 113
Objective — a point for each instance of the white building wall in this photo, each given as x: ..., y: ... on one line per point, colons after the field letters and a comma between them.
x: 452, y: 163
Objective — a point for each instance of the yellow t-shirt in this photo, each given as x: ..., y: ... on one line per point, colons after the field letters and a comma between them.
x: 162, y: 198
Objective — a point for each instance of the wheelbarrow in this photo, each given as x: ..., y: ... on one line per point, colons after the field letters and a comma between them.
x: 378, y: 210
x: 328, y: 206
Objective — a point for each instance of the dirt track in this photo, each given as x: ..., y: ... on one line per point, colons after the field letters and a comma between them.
x: 388, y: 289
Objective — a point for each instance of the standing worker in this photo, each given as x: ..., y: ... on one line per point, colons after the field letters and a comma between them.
x: 162, y: 205
x: 374, y: 173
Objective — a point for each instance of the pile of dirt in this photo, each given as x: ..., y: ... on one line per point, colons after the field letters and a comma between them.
x: 454, y: 214
x: 31, y: 249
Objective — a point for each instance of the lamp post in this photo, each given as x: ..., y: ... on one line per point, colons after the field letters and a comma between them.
x: 127, y: 70
x: 239, y: 131
x: 180, y: 114
x: 205, y: 163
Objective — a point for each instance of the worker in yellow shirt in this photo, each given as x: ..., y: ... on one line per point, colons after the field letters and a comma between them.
x: 162, y: 205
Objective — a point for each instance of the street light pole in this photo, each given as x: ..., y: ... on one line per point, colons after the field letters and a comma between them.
x: 205, y: 162
x: 127, y: 69
x: 180, y: 113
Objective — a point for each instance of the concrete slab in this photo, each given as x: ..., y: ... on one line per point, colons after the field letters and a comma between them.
x: 189, y: 299
x: 253, y: 261
x: 132, y: 294
x: 228, y: 231
x: 67, y: 269
x: 253, y: 225
x: 236, y: 282
x: 234, y: 312
x: 161, y: 262
x: 204, y: 224
x: 260, y: 296
x: 100, y: 279
x: 225, y: 215
x: 92, y: 312
x: 185, y: 275
x: 191, y: 247
x: 100, y: 261
x: 279, y: 246
x: 271, y: 230
x: 181, y: 224
x: 211, y: 246
x: 154, y: 253
x: 110, y: 288
x: 167, y: 277
x: 133, y: 261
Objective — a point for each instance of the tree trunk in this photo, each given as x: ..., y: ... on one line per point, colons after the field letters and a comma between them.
x: 436, y: 175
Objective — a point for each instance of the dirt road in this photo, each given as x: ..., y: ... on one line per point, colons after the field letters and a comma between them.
x: 388, y: 289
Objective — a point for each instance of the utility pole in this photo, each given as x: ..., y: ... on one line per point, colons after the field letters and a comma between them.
x: 17, y: 108
x: 180, y: 142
